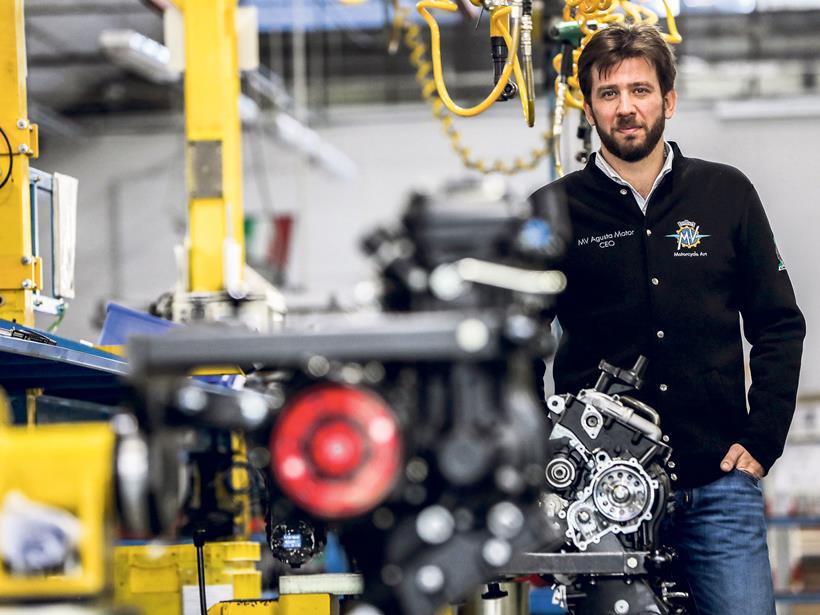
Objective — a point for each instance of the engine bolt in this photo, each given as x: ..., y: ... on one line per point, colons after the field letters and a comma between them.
x: 318, y: 366
x: 435, y: 525
x: 192, y: 400
x: 496, y: 552
x: 505, y: 520
x: 430, y: 579
x: 253, y: 407
x: 621, y: 607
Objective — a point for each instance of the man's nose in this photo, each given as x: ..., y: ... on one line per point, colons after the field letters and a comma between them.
x: 626, y: 105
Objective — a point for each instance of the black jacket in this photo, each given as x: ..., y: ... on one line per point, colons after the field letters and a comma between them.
x: 671, y: 285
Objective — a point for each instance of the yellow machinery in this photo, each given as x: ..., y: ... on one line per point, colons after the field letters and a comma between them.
x: 214, y: 175
x: 54, y: 478
x: 160, y: 578
x: 20, y: 270
x: 214, y: 281
x: 303, y: 604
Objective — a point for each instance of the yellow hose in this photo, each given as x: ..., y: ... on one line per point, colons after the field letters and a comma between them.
x: 418, y: 58
x: 435, y: 36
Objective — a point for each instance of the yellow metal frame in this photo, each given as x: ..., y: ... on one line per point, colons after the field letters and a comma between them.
x: 69, y: 467
x: 20, y: 272
x: 291, y: 604
x: 212, y: 119
x: 151, y: 577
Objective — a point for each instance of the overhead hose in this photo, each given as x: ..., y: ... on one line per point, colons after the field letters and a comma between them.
x: 512, y: 59
x: 418, y: 58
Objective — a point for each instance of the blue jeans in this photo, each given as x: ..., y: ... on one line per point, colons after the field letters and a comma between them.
x: 719, y: 532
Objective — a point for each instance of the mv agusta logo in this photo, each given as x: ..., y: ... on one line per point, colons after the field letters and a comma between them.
x: 688, y: 234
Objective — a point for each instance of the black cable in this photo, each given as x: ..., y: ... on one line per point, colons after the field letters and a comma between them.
x: 10, y: 155
x: 199, y: 543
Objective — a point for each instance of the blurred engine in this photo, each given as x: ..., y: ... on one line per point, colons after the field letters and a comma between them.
x: 419, y: 434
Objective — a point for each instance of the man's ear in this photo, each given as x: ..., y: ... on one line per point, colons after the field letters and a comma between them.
x: 670, y: 101
x: 588, y: 113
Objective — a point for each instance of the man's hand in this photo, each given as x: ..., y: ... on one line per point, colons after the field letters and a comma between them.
x: 738, y: 457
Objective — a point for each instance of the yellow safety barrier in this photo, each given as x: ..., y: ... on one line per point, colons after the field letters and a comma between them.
x: 153, y: 577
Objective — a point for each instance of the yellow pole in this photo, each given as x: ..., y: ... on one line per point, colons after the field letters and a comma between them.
x: 19, y: 271
x: 213, y: 133
x: 31, y: 406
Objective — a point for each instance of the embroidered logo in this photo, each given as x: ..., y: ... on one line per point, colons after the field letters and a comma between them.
x: 688, y: 234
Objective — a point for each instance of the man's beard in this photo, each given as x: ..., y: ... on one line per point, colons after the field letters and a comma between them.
x: 632, y: 150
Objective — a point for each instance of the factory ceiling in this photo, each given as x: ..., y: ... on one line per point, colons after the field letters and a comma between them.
x: 69, y: 77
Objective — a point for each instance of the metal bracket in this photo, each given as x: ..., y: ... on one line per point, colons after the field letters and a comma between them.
x: 579, y: 563
x: 26, y: 139
x: 23, y: 272
x: 205, y: 169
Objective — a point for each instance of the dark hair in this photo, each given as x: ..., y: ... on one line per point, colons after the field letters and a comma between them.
x: 619, y: 42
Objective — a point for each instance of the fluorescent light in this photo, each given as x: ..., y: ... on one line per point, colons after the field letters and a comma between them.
x: 138, y: 53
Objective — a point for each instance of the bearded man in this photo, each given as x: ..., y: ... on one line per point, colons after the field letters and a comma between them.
x: 668, y: 253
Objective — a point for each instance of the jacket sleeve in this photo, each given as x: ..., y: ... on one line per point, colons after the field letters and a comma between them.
x: 775, y: 328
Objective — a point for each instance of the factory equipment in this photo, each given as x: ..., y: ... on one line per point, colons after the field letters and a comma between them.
x: 213, y: 280
x: 417, y: 433
x: 21, y: 264
x: 512, y: 23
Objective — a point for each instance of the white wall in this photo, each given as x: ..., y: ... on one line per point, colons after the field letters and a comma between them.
x: 395, y: 150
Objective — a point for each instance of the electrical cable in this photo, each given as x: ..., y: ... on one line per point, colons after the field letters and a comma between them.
x: 199, y: 543
x: 10, y: 155
x: 59, y: 320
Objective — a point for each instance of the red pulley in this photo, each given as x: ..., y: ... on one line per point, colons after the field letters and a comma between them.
x: 336, y: 451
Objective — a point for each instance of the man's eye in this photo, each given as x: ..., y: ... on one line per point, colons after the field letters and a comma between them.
x: 607, y: 94
x: 642, y: 90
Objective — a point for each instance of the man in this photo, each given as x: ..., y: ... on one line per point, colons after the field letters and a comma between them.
x: 668, y: 252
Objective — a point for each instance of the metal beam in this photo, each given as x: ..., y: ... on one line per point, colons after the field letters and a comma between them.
x: 214, y: 150
x: 19, y: 269
x: 61, y: 9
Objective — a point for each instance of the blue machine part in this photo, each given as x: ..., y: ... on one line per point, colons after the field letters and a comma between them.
x: 541, y: 602
x: 318, y: 15
x: 61, y: 367
x: 122, y: 322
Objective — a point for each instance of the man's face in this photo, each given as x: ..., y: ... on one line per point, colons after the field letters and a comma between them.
x: 628, y: 110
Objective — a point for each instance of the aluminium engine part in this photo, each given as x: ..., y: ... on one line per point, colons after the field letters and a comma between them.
x: 611, y: 405
x: 618, y: 499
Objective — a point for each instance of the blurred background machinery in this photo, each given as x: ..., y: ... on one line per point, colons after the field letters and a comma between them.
x: 327, y: 136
